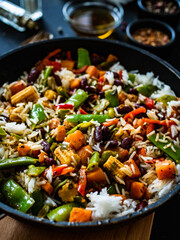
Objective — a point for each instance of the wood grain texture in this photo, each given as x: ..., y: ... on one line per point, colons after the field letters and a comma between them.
x: 11, y: 229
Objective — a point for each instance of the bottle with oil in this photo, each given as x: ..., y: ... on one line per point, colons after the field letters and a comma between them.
x: 95, y: 18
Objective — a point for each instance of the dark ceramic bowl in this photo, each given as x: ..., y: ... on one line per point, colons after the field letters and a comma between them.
x: 154, y: 24
x: 171, y: 18
x: 14, y: 63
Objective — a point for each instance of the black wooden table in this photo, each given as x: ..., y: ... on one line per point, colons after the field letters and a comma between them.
x: 167, y: 218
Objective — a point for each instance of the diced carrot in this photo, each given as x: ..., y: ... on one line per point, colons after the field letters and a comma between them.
x: 23, y: 149
x: 76, y: 140
x: 135, y: 112
x: 81, y: 70
x: 82, y: 111
x: 111, y: 58
x: 80, y: 215
x: 163, y: 122
x: 137, y: 190
x: 61, y: 133
x: 165, y: 170
x: 96, y: 175
x: 67, y: 170
x: 42, y: 157
x: 84, y: 153
x: 149, y: 128
x: 128, y: 183
x: 75, y: 83
x: 92, y: 71
x: 67, y: 64
x: 122, y: 96
x: 101, y: 73
x: 109, y: 123
x: 134, y: 168
x: 119, y: 195
x: 54, y: 123
x: 17, y: 87
x: 142, y: 151
x: 47, y: 187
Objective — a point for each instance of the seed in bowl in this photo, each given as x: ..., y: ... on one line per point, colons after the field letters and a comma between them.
x: 150, y: 36
x: 158, y: 6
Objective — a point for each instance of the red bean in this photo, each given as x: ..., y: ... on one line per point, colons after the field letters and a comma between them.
x: 124, y: 110
x: 113, y: 143
x: 118, y: 82
x: 98, y: 134
x: 49, y: 161
x: 133, y: 91
x: 126, y: 143
x: 106, y: 133
x: 33, y: 75
x: 46, y: 146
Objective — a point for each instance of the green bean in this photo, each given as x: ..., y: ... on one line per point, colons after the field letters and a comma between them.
x: 35, y: 171
x: 19, y: 161
x: 93, y: 162
x: 79, y: 118
x: 83, y: 58
x: 77, y: 98
x: 43, y: 211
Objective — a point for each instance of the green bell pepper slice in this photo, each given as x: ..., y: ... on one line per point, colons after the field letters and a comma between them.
x: 83, y: 58
x: 82, y: 127
x: 16, y: 196
x: 19, y: 161
x: 37, y: 195
x: 112, y: 97
x: 37, y: 113
x: 2, y: 132
x: 131, y: 77
x: 165, y: 99
x: 147, y: 90
x: 61, y: 213
x: 35, y: 171
x: 174, y: 155
x: 77, y: 98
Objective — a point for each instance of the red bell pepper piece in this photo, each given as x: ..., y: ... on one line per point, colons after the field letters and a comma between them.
x: 81, y: 70
x: 56, y: 66
x: 69, y: 57
x: 64, y: 106
x: 149, y: 103
x: 53, y: 53
x: 120, y: 74
x: 112, y: 122
x: 82, y: 111
x: 167, y: 123
x: 82, y: 181
x: 67, y: 170
x: 135, y: 112
x: 57, y: 171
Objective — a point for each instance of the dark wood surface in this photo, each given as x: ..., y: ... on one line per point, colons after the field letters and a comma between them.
x: 167, y: 218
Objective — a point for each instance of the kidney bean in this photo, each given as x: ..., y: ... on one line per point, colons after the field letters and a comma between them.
x: 57, y: 79
x: 116, y: 75
x: 142, y: 170
x: 35, y: 153
x: 43, y: 133
x: 126, y: 142
x: 133, y: 91
x: 33, y: 75
x: 49, y: 161
x: 96, y: 59
x: 118, y: 82
x: 46, y: 146
x: 141, y: 205
x: 105, y: 133
x: 83, y: 83
x: 113, y: 143
x: 101, y: 94
x: 141, y: 115
x: 124, y: 110
x: 90, y: 89
x: 98, y: 134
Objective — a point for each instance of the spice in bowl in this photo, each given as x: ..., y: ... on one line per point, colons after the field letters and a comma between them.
x: 161, y: 6
x: 150, y: 36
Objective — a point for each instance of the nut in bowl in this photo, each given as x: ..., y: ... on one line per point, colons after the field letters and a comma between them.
x: 166, y: 10
x: 93, y: 18
x: 153, y: 35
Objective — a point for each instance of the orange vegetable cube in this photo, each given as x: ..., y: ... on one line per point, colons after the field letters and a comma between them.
x: 76, y: 140
x: 84, y: 153
x: 137, y: 190
x: 96, y: 175
x: 61, y: 133
x: 165, y: 170
x: 54, y: 123
x: 42, y: 157
x: 23, y: 149
x: 48, y: 187
x: 134, y: 168
x: 92, y: 71
x: 111, y: 58
x: 75, y: 83
x: 80, y: 215
x: 67, y: 64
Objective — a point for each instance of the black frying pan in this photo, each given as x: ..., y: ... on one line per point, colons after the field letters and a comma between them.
x: 13, y: 64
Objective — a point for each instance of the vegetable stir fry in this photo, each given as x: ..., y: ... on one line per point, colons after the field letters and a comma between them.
x: 82, y: 139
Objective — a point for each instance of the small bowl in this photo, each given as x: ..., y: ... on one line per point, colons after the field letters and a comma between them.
x: 171, y: 18
x: 154, y: 24
x: 72, y: 8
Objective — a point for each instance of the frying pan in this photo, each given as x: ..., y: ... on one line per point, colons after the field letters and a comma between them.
x: 14, y: 63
